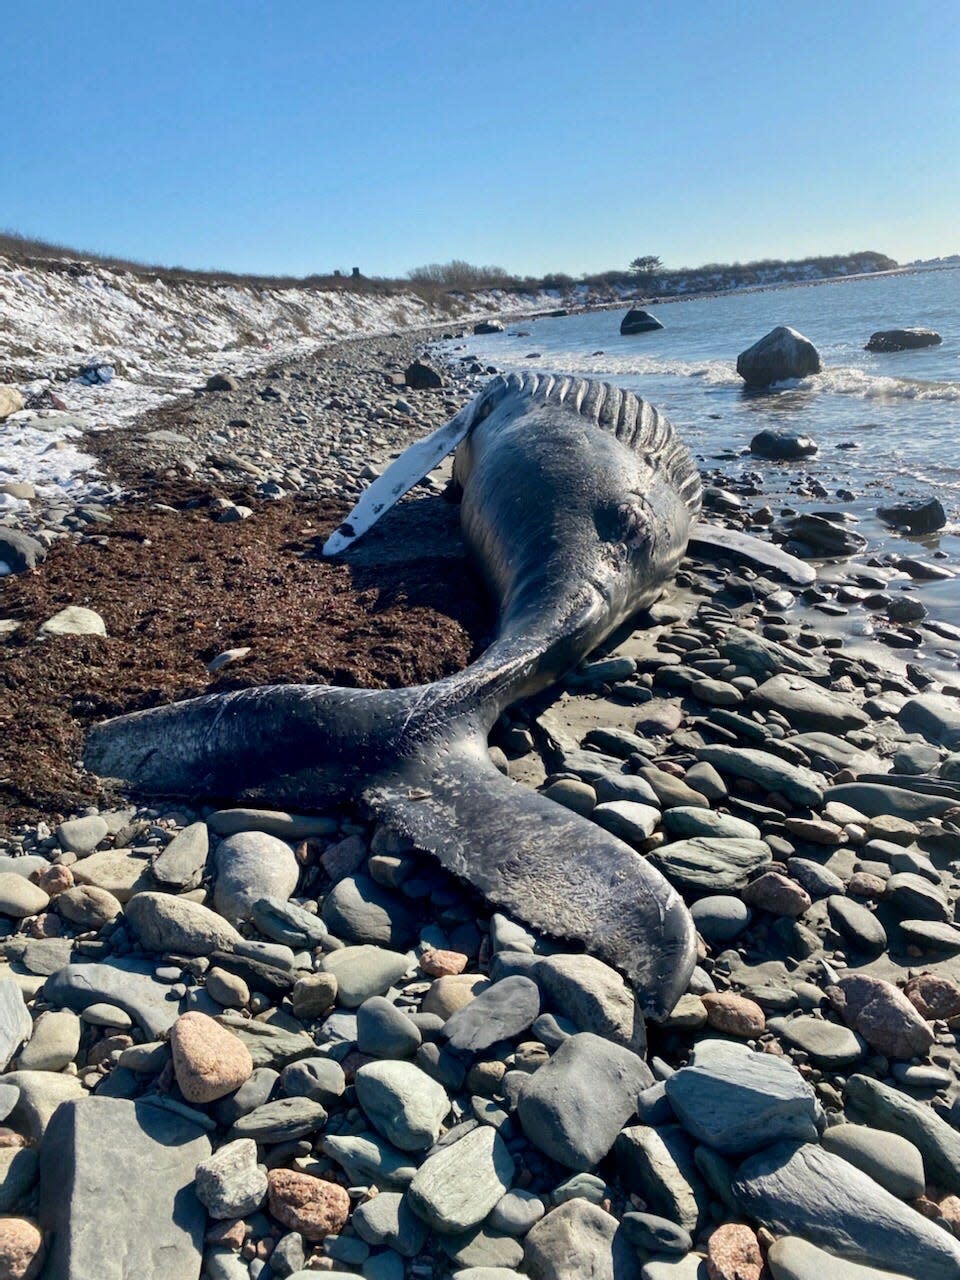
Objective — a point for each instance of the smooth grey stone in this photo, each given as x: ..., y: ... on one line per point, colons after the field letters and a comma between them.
x: 629, y: 821
x: 43, y: 956
x: 692, y: 1267
x: 482, y: 1247
x: 224, y: 1264
x: 384, y: 1031
x: 819, y: 882
x: 289, y: 1255
x: 552, y: 1031
x: 127, y: 1167
x: 516, y: 1212
x: 366, y: 1159
x: 578, y: 1239
x: 149, y: 1058
x: 358, y: 910
x: 402, y: 1102
x: 163, y: 922
x: 288, y: 923
x: 658, y: 1165
x: 915, y: 898
x: 736, y: 1100
x: 458, y: 1185
x: 791, y: 1258
x: 388, y: 1219
x: 858, y: 925
x: 24, y: 865
x: 19, y: 1170
x: 281, y: 1121
x: 653, y: 1106
x: 82, y: 835
x: 796, y: 783
x: 688, y: 820
x: 884, y: 1107
x: 656, y: 1235
x: 252, y: 865
x: 573, y: 1107
x: 501, y: 1012
x: 181, y: 864
x: 934, y: 716
x: 125, y: 982
x: 230, y: 1183
x: 594, y: 997
x: 886, y: 1157
x: 582, y: 1186
x: 253, y: 1093
x: 611, y: 787
x: 9, y: 1097
x: 55, y: 1042
x: 807, y: 706
x: 707, y: 863
x: 875, y: 798
x: 288, y: 826
x: 720, y: 917
x: 364, y: 971
x: 16, y: 1025
x: 802, y: 1189
x: 320, y: 1079
x: 931, y: 935
x: 829, y: 1044
x: 270, y: 1046
x: 671, y: 791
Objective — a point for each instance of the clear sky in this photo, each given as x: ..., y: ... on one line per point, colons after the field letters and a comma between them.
x: 302, y: 135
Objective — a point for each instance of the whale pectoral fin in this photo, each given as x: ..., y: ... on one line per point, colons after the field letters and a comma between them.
x: 707, y: 538
x: 417, y: 461
x: 547, y: 866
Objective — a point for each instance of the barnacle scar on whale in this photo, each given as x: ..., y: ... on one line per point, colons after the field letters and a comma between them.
x: 578, y: 501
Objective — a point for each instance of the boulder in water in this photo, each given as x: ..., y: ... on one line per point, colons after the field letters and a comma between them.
x: 636, y: 321
x: 902, y: 339
x: 782, y: 446
x: 487, y: 326
x: 782, y: 354
x: 920, y: 516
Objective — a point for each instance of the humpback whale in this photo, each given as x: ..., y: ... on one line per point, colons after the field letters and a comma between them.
x: 578, y: 500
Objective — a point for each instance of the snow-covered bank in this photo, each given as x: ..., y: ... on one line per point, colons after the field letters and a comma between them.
x: 162, y: 337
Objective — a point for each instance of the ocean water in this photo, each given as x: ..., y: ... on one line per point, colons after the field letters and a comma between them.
x: 900, y: 410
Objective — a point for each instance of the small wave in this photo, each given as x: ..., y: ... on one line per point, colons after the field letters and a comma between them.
x: 855, y: 382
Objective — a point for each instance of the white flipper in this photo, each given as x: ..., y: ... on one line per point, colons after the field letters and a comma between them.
x: 713, y: 537
x: 402, y: 474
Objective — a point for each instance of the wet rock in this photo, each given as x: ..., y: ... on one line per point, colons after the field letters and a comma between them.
x: 420, y: 376
x: 807, y: 706
x: 782, y: 446
x: 781, y: 354
x: 934, y: 716
x: 902, y: 339
x: 638, y: 321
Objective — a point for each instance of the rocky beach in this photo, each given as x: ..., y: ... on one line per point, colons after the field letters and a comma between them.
x: 248, y: 1044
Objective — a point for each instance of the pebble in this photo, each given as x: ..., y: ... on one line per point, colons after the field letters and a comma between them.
x: 82, y: 835
x: 389, y: 1219
x: 252, y: 865
x: 21, y: 1249
x: 720, y: 917
x: 827, y: 1043
x: 16, y: 1025
x: 164, y: 923
x: 712, y: 865
x: 594, y: 997
x: 313, y: 1207
x: 733, y: 1014
x: 402, y: 1102
x: 231, y: 1183
x: 733, y: 1253
x: 181, y: 864
x: 575, y: 1240
x: 502, y: 1011
x: 54, y: 1044
x: 209, y: 1061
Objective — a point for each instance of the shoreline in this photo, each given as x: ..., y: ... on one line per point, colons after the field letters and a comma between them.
x: 720, y: 734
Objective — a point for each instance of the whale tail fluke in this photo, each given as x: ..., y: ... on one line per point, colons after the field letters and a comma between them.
x: 418, y: 762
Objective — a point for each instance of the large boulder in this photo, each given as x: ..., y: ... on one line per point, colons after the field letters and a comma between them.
x: 18, y: 551
x: 636, y: 321
x: 487, y: 326
x: 782, y: 446
x: 902, y: 339
x: 782, y: 354
x: 421, y: 376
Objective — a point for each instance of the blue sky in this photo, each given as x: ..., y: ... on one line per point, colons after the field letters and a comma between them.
x: 296, y: 136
